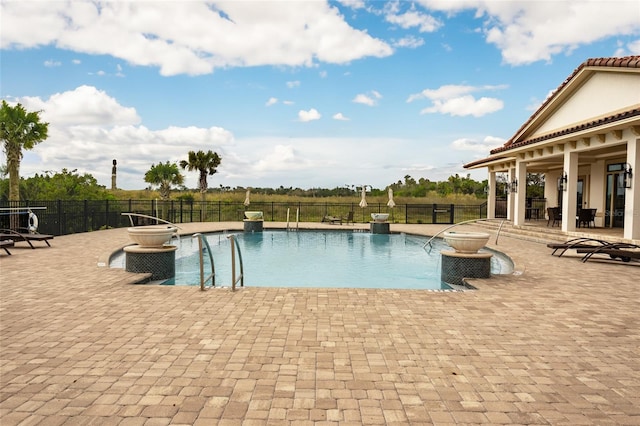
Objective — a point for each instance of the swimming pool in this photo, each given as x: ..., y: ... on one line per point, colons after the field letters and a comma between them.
x: 338, y: 259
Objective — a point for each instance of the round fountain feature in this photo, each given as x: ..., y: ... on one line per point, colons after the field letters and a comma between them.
x: 457, y: 266
x: 466, y: 242
x: 151, y: 236
x: 150, y: 254
x: 379, y: 217
x: 379, y: 224
x: 465, y: 261
x: 254, y: 221
x: 253, y: 215
x: 160, y: 262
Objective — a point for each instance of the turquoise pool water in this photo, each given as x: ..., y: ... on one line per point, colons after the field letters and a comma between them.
x: 340, y: 259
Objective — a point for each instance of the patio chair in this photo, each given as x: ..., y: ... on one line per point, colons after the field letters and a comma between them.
x: 554, y: 216
x: 586, y: 217
x: 15, y: 236
x: 5, y: 244
x: 349, y: 217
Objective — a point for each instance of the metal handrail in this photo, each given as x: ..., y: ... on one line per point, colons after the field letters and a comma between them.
x: 157, y: 219
x: 212, y: 276
x: 297, y: 219
x: 428, y: 243
x: 240, y: 278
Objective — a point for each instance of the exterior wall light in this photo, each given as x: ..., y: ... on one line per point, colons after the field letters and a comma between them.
x: 514, y: 185
x: 627, y: 175
x: 562, y: 182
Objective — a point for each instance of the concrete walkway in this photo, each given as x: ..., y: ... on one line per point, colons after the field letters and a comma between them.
x: 557, y: 343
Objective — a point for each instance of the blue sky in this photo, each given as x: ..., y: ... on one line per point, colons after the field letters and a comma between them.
x: 293, y: 93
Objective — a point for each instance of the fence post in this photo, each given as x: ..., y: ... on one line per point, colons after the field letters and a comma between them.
x: 85, y: 215
x: 452, y: 210
x: 60, y: 217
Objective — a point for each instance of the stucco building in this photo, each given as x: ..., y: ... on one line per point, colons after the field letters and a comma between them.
x: 585, y: 138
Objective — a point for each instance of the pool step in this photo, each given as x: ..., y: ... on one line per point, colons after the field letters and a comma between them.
x: 527, y: 233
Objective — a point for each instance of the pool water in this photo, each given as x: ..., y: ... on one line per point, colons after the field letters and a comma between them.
x: 340, y: 259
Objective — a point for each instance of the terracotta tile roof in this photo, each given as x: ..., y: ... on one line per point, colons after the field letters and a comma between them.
x: 621, y: 62
x: 606, y: 120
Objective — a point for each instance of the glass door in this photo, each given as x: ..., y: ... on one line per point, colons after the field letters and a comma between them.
x: 614, y: 203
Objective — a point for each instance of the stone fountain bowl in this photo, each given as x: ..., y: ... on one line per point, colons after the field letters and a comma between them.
x: 380, y: 217
x: 253, y: 215
x: 466, y: 242
x: 152, y: 235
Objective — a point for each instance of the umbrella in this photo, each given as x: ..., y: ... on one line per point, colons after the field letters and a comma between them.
x: 246, y: 200
x: 391, y: 203
x: 363, y: 202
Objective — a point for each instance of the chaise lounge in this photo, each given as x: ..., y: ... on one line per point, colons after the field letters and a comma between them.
x: 15, y: 236
x: 578, y: 244
x: 624, y: 252
x: 338, y: 219
x: 5, y: 244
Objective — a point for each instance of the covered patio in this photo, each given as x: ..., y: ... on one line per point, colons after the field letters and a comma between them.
x: 585, y: 139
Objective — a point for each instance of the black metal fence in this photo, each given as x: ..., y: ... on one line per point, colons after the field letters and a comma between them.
x: 68, y: 217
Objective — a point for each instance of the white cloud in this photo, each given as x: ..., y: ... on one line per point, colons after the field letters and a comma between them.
x: 484, y: 146
x: 456, y: 100
x: 531, y: 31
x: 84, y: 105
x: 310, y: 115
x: 411, y: 19
x: 465, y: 105
x: 272, y: 101
x: 51, y: 63
x: 201, y: 37
x: 292, y: 84
x: 410, y: 42
x: 367, y: 99
x: 354, y: 4
x: 339, y: 116
x: 88, y: 128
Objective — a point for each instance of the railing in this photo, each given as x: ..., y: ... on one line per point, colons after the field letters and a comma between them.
x: 63, y: 217
x: 157, y: 219
x: 234, y: 279
x: 202, y: 241
x: 297, y: 219
x: 428, y: 243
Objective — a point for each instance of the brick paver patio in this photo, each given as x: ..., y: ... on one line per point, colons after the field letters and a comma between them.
x: 556, y: 343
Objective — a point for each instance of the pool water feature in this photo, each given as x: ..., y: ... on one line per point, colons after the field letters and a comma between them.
x: 338, y: 259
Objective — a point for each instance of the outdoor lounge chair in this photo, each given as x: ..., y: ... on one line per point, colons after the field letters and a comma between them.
x: 577, y: 243
x: 5, y: 244
x: 332, y: 219
x: 15, y: 236
x: 339, y: 219
x: 624, y: 252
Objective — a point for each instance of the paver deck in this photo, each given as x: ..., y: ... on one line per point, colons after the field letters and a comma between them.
x: 557, y: 343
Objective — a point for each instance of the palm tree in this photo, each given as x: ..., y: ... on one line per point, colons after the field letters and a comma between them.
x: 164, y: 175
x: 19, y: 130
x: 206, y: 164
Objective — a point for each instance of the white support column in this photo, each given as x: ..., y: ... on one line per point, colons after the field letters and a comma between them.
x: 491, y: 196
x: 570, y: 196
x: 510, y: 195
x: 520, y: 196
x: 632, y: 195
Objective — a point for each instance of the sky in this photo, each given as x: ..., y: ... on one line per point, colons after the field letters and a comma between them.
x: 298, y: 93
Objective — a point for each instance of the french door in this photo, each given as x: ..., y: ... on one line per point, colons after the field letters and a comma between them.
x: 614, y: 202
